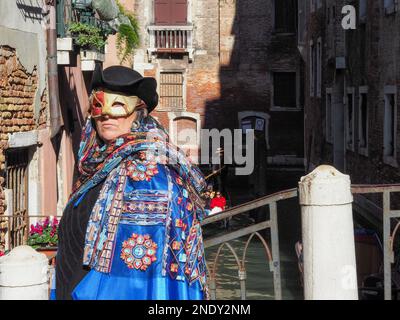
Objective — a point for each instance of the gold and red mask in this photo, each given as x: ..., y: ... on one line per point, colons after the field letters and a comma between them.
x: 113, y: 104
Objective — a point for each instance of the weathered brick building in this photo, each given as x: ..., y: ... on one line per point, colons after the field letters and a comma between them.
x: 352, y: 90
x: 36, y: 162
x: 225, y: 64
x: 23, y: 118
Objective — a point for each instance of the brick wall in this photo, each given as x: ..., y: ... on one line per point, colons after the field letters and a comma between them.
x: 18, y: 88
x: 236, y: 53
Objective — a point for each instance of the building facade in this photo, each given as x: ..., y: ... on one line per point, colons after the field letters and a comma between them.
x: 36, y: 156
x: 225, y: 64
x: 352, y: 89
x: 24, y: 140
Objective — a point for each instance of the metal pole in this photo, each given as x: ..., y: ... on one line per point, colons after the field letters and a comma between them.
x: 386, y: 246
x: 242, y: 278
x: 275, y: 251
x: 213, y: 289
x: 52, y: 71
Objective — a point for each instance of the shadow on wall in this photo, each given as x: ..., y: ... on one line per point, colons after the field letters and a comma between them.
x: 31, y: 10
x: 73, y: 86
x: 251, y: 51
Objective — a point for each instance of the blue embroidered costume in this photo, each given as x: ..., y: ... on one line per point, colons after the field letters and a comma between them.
x: 143, y: 238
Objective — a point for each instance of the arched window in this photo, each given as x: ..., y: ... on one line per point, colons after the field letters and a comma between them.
x: 184, y: 128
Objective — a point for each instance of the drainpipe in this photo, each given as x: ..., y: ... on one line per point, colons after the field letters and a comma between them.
x: 52, y: 70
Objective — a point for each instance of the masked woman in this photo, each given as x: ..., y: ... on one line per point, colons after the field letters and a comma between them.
x: 131, y: 229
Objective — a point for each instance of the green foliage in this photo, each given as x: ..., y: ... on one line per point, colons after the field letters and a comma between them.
x: 87, y: 36
x: 127, y: 36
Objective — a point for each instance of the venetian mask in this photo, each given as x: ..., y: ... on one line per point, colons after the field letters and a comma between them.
x: 114, y: 104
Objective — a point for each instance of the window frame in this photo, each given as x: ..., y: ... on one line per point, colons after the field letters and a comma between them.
x: 281, y: 31
x: 362, y: 150
x: 319, y: 64
x: 362, y: 4
x: 311, y: 68
x: 184, y: 79
x: 297, y: 89
x: 352, y: 91
x: 328, y: 137
x: 390, y: 159
x: 390, y: 8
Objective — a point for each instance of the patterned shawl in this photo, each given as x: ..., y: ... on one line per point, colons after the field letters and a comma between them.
x: 97, y: 160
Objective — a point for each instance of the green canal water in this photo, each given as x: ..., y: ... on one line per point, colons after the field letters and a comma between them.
x: 259, y: 283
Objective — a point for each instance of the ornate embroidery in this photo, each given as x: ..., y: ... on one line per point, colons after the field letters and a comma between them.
x: 141, y: 169
x: 174, y: 267
x: 178, y: 223
x: 176, y: 245
x: 145, y: 207
x: 139, y: 252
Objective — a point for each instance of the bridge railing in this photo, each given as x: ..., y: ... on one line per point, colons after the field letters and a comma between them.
x: 272, y: 254
x: 391, y: 225
x: 390, y: 221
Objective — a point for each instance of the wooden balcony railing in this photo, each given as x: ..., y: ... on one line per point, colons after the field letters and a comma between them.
x: 171, y: 39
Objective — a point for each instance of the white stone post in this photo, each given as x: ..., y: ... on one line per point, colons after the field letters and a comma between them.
x: 328, y: 235
x: 24, y: 275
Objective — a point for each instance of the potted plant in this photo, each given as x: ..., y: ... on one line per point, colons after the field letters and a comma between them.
x: 87, y: 36
x: 44, y: 236
x: 91, y: 40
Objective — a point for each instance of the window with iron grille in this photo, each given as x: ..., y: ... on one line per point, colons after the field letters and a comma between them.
x: 17, y: 161
x: 171, y: 91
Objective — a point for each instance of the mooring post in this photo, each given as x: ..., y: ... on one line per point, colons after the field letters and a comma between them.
x: 328, y: 235
x: 24, y: 275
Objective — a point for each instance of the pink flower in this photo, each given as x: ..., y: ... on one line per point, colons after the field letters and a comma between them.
x: 46, y: 222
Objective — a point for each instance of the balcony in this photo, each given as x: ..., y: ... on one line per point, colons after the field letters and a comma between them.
x: 78, y: 11
x: 171, y: 39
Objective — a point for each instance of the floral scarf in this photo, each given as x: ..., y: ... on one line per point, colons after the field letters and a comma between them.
x: 97, y: 162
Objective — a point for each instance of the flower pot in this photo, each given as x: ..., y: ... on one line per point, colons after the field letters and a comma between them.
x: 89, y: 57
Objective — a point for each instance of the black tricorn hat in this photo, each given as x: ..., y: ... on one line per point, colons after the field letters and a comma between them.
x: 126, y: 80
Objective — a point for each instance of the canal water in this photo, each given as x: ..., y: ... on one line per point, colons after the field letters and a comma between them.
x: 259, y: 283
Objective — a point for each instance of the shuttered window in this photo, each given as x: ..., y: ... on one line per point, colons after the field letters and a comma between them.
x: 171, y: 90
x: 170, y: 12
